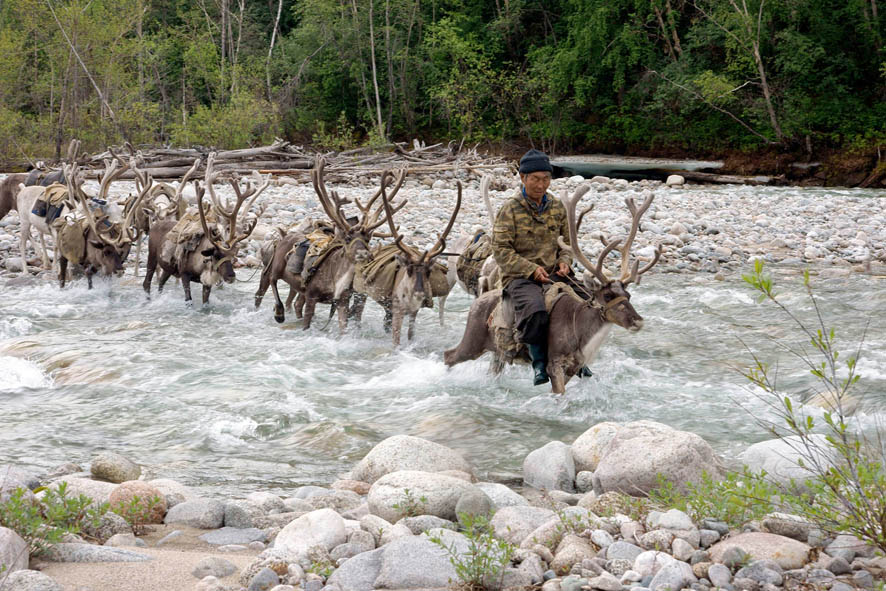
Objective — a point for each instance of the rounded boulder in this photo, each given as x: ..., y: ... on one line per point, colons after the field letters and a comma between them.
x: 138, y: 499
x: 115, y: 468
x: 404, y: 452
x: 412, y: 492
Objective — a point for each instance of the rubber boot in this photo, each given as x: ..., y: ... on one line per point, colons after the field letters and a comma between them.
x: 539, y: 356
x: 585, y: 372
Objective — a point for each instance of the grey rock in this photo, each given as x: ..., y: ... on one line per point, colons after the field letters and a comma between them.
x: 343, y: 552
x: 847, y: 546
x: 306, y: 492
x: 759, y: 573
x: 339, y: 500
x: 657, y: 539
x: 605, y: 582
x: 422, y: 523
x: 719, y: 575
x: 296, y: 505
x: 256, y: 545
x: 671, y: 577
x: 779, y: 458
x: 572, y: 550
x: 744, y: 584
x: 699, y: 556
x: 650, y: 562
x: 323, y: 527
x: 588, y: 448
x: 30, y: 580
x: 115, y: 468
x: 358, y: 573
x: 414, y: 563
x: 357, y: 513
x: 584, y: 481
x: 90, y: 553
x: 232, y: 548
x: 681, y: 549
x: 787, y: 552
x: 375, y: 525
x: 242, y: 514
x: 841, y: 586
x: 312, y: 585
x: 98, y: 491
x: 708, y: 537
x: 13, y: 550
x: 10, y: 474
x: 515, y: 523
x: 839, y: 566
x: 472, y: 503
x: 267, y: 502
x: 819, y: 575
x: 430, y: 493
x: 395, y: 532
x: 363, y: 538
x: 572, y: 583
x: 404, y: 452
x: 532, y: 565
x: 213, y: 566
x: 199, y: 513
x: 675, y: 519
x: 233, y: 535
x: 863, y: 579
x: 602, y: 538
x: 642, y: 451
x: 718, y: 526
x: 501, y: 495
x: 623, y: 550
x: 264, y: 580
x: 785, y: 524
x: 550, y: 467
x: 734, y: 556
x: 619, y: 566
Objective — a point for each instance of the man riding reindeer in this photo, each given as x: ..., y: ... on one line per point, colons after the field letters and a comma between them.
x: 525, y: 247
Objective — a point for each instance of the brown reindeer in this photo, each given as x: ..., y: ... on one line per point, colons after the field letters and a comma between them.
x: 212, y: 259
x: 9, y: 188
x: 412, y: 282
x: 577, y: 329
x: 332, y: 280
x: 105, y: 244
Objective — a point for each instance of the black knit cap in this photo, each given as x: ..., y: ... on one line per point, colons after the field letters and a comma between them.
x: 535, y: 161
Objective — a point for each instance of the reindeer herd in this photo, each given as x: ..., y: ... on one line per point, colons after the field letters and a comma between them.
x: 333, y: 260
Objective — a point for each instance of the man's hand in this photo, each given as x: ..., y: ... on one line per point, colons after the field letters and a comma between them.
x: 541, y: 275
x: 563, y: 269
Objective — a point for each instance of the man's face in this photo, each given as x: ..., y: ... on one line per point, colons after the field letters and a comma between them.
x: 536, y: 184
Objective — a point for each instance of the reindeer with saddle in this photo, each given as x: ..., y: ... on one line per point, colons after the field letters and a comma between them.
x: 544, y: 315
x: 202, y: 246
x: 319, y: 262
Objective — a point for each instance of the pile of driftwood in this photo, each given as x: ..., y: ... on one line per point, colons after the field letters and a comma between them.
x: 283, y: 158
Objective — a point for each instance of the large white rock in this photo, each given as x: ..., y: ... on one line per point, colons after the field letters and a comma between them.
x: 587, y: 450
x: 640, y: 451
x: 13, y: 550
x: 550, y: 467
x: 323, y: 527
x: 415, y: 563
x: 428, y: 494
x: 115, y: 468
x: 501, y: 495
x: 516, y: 522
x: 779, y: 458
x: 787, y: 552
x: 675, y: 180
x: 199, y: 513
x: 404, y: 452
x: 30, y: 580
x: 98, y: 491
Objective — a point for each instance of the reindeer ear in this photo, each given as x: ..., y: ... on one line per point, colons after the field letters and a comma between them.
x: 590, y: 281
x: 208, y: 252
x: 98, y: 245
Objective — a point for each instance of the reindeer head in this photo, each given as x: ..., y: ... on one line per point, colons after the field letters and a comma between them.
x: 610, y: 295
x: 222, y: 253
x: 356, y: 232
x: 417, y: 287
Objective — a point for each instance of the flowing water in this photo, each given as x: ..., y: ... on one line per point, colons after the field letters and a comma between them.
x: 226, y: 399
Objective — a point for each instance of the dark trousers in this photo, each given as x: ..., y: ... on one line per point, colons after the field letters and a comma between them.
x: 530, y: 315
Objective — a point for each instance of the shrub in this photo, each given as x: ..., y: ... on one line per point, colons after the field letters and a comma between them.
x: 137, y: 512
x: 44, y: 523
x: 849, y: 494
x: 410, y: 506
x: 482, y: 565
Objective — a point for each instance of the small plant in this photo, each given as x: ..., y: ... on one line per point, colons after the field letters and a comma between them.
x: 44, y: 523
x: 847, y: 478
x: 410, y: 506
x: 736, y: 499
x: 338, y: 138
x: 137, y: 513
x: 483, y: 563
x: 323, y: 567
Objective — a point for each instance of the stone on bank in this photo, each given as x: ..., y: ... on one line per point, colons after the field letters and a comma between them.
x: 404, y: 452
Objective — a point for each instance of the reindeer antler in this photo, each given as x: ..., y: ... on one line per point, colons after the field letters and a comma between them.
x: 631, y: 273
x: 230, y: 213
x: 329, y: 200
x: 572, y: 223
x: 440, y: 245
x: 484, y: 190
x: 200, y: 191
x: 370, y: 222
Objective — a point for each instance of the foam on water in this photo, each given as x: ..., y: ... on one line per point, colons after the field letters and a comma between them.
x: 19, y: 374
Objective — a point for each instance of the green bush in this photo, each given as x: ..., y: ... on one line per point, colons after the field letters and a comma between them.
x: 482, y: 566
x: 244, y: 121
x: 44, y: 523
x: 847, y: 495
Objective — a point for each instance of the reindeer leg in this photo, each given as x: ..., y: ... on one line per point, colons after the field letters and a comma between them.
x: 357, y: 308
x: 138, y: 252
x: 206, y: 290
x: 263, y: 285
x: 46, y: 264
x: 26, y: 235
x: 164, y: 277
x: 62, y: 270
x: 149, y: 274
x: 411, y: 332
x: 278, y: 304
x: 442, y: 302
x: 389, y: 317
x: 396, y: 324
x: 342, y: 305
x: 89, y: 273
x: 292, y: 295
x: 186, y: 285
x: 300, y: 305
x: 557, y: 373
x: 310, y: 304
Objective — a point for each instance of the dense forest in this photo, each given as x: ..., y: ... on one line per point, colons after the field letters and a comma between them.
x: 700, y: 77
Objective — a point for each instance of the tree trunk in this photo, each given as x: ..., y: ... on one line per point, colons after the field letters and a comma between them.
x: 363, y: 85
x: 271, y: 47
x: 767, y: 94
x: 380, y: 122
x: 390, y: 59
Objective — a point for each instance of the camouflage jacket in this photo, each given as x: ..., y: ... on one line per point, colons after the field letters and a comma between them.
x: 524, y: 238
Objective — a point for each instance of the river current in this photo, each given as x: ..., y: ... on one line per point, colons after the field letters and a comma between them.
x: 226, y: 399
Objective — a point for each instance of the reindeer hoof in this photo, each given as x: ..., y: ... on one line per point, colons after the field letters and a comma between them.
x: 278, y: 314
